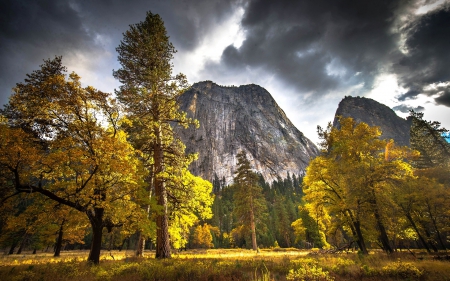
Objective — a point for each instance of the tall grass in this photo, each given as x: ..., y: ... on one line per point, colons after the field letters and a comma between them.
x: 224, y: 265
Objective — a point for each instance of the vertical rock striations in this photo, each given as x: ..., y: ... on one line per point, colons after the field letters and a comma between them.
x: 242, y: 118
x: 375, y: 114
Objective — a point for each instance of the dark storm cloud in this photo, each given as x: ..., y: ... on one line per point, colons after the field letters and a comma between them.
x: 322, y: 46
x: 35, y: 30
x: 32, y: 31
x: 316, y: 46
x: 186, y: 21
x: 428, y: 57
x: 405, y: 109
x: 444, y: 98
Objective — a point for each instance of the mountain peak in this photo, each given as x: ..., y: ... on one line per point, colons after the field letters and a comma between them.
x: 244, y: 118
x: 375, y: 114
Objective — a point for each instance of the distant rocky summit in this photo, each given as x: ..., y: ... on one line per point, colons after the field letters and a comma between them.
x: 375, y: 114
x: 242, y: 118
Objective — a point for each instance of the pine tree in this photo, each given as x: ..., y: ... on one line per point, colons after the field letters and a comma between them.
x: 149, y: 92
x: 250, y: 205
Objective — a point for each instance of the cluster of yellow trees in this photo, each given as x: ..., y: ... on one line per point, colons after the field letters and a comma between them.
x: 369, y: 191
x: 72, y: 155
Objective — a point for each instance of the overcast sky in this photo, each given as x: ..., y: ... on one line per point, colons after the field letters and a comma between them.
x: 307, y: 54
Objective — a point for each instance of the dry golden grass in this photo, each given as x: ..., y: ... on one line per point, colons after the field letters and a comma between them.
x: 218, y: 264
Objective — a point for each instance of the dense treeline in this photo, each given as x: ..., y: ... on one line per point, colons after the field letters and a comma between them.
x: 361, y: 192
x: 283, y: 205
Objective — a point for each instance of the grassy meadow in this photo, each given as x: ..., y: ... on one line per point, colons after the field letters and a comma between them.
x: 234, y: 264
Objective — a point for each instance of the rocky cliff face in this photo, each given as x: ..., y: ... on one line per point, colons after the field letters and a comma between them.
x: 242, y: 118
x: 375, y: 114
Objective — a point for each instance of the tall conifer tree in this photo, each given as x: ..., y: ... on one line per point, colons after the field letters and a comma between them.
x: 249, y: 201
x: 150, y: 91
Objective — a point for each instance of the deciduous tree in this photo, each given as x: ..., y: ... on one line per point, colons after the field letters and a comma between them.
x: 354, y: 177
x: 63, y: 141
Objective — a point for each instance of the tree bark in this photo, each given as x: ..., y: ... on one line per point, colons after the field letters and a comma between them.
x: 140, y: 245
x: 162, y: 220
x: 59, y: 240
x: 360, y: 241
x: 383, y: 235
x: 96, y: 219
x: 355, y: 226
x: 253, y: 226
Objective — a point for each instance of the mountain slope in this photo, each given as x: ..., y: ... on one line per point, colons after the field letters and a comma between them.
x: 242, y: 118
x: 375, y: 114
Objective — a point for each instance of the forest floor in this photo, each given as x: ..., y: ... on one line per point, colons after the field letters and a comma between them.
x: 227, y: 264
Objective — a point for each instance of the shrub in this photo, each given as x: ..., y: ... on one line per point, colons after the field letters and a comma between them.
x: 309, y: 273
x: 402, y: 270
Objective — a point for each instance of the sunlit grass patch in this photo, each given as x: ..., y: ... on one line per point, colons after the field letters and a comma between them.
x: 221, y: 265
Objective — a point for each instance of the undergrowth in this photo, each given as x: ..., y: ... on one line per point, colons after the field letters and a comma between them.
x: 225, y: 265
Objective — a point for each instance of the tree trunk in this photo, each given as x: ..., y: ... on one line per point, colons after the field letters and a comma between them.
x: 162, y: 220
x: 140, y: 245
x: 433, y: 219
x: 413, y: 224
x: 96, y: 219
x: 360, y: 240
x: 13, y: 246
x: 430, y: 240
x: 383, y: 235
x: 253, y: 227
x: 59, y: 240
x: 355, y: 226
x: 19, y: 251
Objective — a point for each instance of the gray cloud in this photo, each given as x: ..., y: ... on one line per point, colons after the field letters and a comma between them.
x: 444, y: 98
x: 32, y: 31
x: 405, y: 109
x: 36, y: 30
x: 428, y: 58
x: 315, y: 46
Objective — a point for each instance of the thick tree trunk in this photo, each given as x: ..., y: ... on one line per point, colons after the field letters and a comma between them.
x: 96, y: 219
x: 382, y: 230
x: 59, y: 240
x: 355, y: 226
x: 162, y: 220
x: 383, y: 235
x: 360, y: 241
